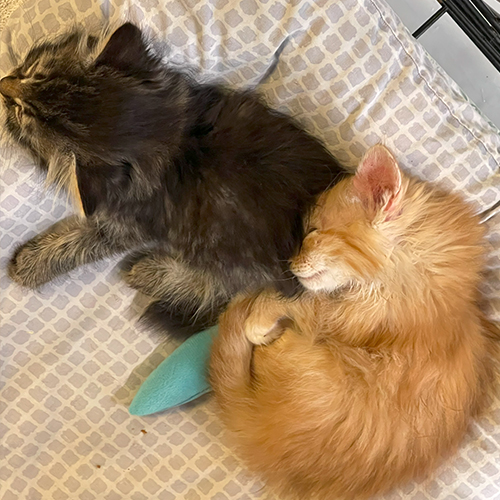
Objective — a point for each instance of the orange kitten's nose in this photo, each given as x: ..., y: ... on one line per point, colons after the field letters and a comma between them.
x: 10, y: 86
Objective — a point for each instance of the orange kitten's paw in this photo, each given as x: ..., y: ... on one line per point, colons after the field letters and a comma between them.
x: 261, y: 333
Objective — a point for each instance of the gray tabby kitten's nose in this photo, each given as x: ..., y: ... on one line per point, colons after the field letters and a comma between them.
x: 10, y: 86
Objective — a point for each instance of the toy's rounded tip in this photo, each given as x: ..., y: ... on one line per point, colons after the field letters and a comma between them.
x: 179, y: 379
x: 136, y: 410
x: 141, y: 406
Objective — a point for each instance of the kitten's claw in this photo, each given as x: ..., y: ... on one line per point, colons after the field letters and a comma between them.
x: 262, y: 334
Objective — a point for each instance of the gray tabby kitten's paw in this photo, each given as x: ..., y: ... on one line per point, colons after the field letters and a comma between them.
x: 142, y: 272
x: 27, y: 266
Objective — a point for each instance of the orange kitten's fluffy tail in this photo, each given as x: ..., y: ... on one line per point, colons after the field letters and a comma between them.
x: 230, y: 364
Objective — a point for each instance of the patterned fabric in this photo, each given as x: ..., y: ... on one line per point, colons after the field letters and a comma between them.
x: 72, y: 354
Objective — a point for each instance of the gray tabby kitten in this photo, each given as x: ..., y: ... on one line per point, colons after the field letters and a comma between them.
x: 210, y: 185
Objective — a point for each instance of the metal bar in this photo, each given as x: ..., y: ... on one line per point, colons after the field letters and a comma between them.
x: 488, y: 14
x: 435, y: 17
x: 492, y: 53
x: 476, y: 18
x: 487, y: 214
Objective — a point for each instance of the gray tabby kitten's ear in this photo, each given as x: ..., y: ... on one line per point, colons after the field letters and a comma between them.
x: 125, y: 49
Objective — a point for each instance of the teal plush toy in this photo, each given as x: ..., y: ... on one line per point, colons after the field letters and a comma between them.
x: 180, y: 378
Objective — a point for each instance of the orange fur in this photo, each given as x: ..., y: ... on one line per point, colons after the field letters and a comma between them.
x: 382, y: 364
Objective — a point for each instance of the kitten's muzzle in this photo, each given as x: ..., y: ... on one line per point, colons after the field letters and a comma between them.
x: 10, y: 87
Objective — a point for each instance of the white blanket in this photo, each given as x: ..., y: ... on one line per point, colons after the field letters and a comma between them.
x: 72, y: 355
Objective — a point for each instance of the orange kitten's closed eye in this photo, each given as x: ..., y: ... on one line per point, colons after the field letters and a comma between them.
x: 320, y: 264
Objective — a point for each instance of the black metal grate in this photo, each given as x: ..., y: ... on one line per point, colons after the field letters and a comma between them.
x: 477, y: 20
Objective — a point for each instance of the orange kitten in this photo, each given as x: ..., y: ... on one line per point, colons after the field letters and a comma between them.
x: 381, y: 365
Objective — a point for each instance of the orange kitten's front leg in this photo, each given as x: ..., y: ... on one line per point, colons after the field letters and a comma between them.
x: 268, y: 318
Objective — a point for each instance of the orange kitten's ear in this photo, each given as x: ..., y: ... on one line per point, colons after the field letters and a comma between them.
x: 378, y: 180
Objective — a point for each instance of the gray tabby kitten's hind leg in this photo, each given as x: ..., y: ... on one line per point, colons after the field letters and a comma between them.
x: 159, y: 275
x: 189, y: 300
x: 66, y: 245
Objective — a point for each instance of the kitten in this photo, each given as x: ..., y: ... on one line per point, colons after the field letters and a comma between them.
x: 209, y: 185
x: 382, y: 363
